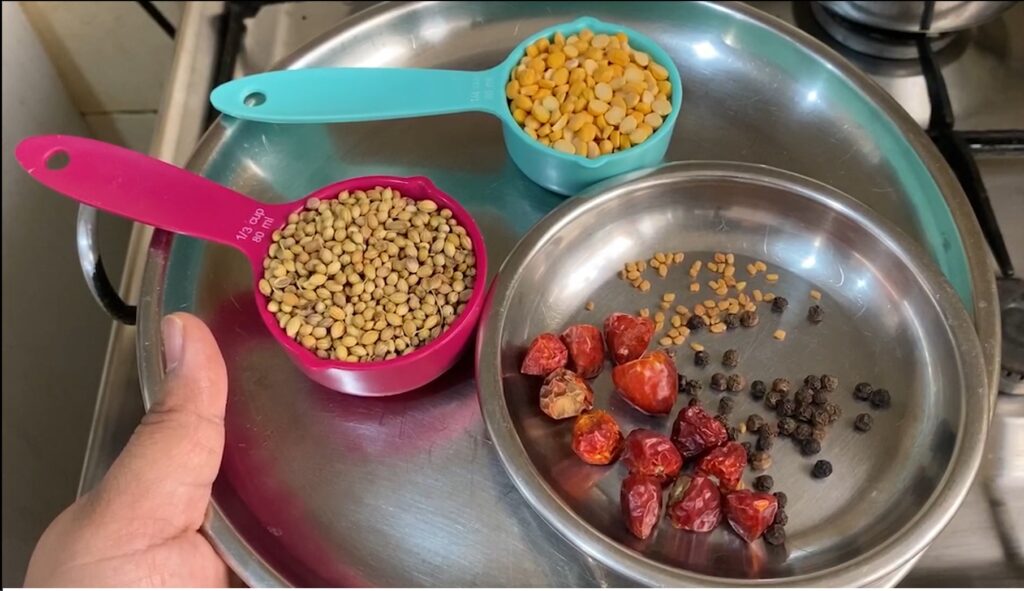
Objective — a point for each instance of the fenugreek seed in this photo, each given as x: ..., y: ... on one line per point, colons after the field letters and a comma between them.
x: 662, y: 271
x: 665, y: 341
x: 694, y: 287
x: 696, y: 346
x: 779, y: 335
x: 589, y: 307
x: 771, y: 277
x: 815, y: 294
x: 760, y: 266
x: 644, y: 312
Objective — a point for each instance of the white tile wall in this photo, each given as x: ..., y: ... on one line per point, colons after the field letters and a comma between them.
x: 113, y: 59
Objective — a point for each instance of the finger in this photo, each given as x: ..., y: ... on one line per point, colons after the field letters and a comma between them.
x: 161, y: 481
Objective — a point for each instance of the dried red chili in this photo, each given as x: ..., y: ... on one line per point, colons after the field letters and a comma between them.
x: 565, y: 394
x: 651, y: 454
x: 695, y: 431
x: 750, y: 513
x: 627, y: 336
x: 694, y: 504
x: 640, y: 499
x: 726, y: 463
x: 596, y: 438
x: 545, y: 355
x: 648, y: 383
x: 586, y: 349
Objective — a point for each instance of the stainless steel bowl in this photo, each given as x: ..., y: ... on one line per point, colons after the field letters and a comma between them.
x: 906, y: 16
x: 891, y: 319
x: 335, y: 476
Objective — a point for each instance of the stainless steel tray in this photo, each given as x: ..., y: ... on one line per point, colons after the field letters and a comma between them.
x: 891, y: 319
x: 319, y: 488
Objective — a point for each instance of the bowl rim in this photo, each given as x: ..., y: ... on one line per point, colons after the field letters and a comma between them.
x: 416, y: 188
x: 637, y: 40
x: 913, y: 537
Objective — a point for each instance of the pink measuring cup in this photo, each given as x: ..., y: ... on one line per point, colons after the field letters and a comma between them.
x: 146, y: 190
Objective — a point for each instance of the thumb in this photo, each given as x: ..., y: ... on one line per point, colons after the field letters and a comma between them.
x: 165, y: 473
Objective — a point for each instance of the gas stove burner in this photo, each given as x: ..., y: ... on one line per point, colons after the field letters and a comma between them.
x: 875, y: 42
x: 1011, y: 304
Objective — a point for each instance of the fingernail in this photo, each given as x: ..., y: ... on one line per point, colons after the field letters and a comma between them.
x: 172, y: 330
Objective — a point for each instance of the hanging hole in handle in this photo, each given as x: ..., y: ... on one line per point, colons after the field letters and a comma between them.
x: 254, y: 99
x: 57, y: 160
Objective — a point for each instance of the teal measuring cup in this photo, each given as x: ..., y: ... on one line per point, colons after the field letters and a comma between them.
x: 345, y: 95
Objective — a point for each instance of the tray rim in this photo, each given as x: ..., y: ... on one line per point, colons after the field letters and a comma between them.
x: 913, y: 537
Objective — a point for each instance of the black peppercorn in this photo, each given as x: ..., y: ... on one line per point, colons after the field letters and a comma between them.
x: 747, y: 447
x: 780, y: 515
x: 834, y: 411
x: 731, y: 358
x: 718, y: 382
x: 863, y: 422
x: 768, y: 430
x: 818, y: 434
x: 773, y: 398
x: 748, y: 318
x: 804, y: 395
x: 732, y: 433
x: 803, y: 432
x: 695, y: 322
x: 822, y: 469
x: 701, y: 358
x: 781, y: 385
x: 693, y: 387
x: 764, y: 483
x: 880, y: 398
x: 862, y: 391
x: 821, y: 418
x: 786, y: 426
x: 764, y: 443
x: 782, y: 499
x: 693, y: 402
x: 787, y: 408
x: 680, y: 383
x: 754, y: 423
x: 735, y: 382
x: 813, y: 382
x: 726, y: 405
x: 732, y: 321
x: 815, y: 314
x: 757, y: 389
x: 820, y: 397
x: 810, y: 447
x: 779, y: 304
x: 805, y: 412
x: 760, y: 461
x: 829, y: 382
x: 775, y: 535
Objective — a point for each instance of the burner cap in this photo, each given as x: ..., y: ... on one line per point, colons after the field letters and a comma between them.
x: 1011, y: 304
x: 872, y: 41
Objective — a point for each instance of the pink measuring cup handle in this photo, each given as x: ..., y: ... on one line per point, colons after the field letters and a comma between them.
x: 150, y: 191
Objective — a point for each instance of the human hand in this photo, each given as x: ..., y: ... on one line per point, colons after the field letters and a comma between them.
x: 140, y: 526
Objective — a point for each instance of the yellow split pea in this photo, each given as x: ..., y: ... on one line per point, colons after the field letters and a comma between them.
x: 588, y: 94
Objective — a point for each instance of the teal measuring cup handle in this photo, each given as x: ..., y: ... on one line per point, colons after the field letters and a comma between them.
x: 342, y: 95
